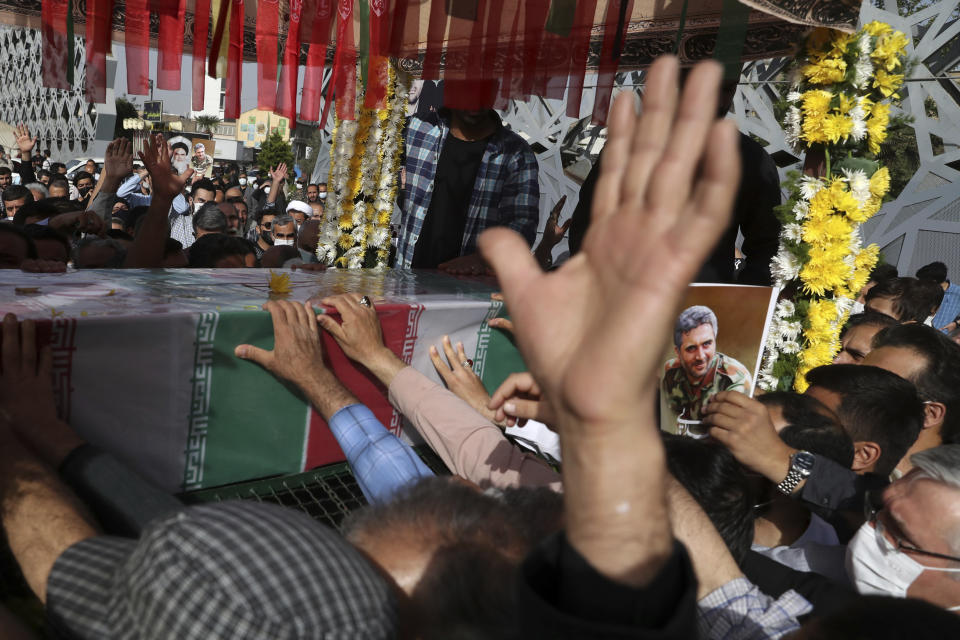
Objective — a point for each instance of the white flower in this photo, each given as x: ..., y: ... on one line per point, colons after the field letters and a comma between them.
x: 859, y: 117
x: 379, y: 237
x: 768, y: 382
x: 785, y: 267
x: 801, y: 210
x: 358, y: 234
x: 859, y: 185
x: 792, y: 232
x: 791, y: 330
x: 809, y: 187
x: 357, y: 218
x: 793, y: 121
x: 794, y: 96
x: 844, y: 306
x: 790, y: 346
x: 326, y: 253
x: 785, y: 308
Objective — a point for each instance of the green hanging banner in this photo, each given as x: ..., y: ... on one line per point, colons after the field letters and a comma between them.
x: 561, y: 17
x: 730, y: 37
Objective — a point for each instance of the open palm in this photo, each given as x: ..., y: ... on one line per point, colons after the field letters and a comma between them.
x: 592, y: 331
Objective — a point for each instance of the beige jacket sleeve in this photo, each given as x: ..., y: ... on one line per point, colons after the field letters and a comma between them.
x: 469, y: 444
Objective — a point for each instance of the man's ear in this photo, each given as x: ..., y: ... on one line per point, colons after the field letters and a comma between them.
x: 676, y: 350
x: 865, y: 456
x: 934, y: 414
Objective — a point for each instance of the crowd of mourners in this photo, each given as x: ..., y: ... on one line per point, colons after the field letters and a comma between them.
x: 98, y: 217
x: 830, y: 514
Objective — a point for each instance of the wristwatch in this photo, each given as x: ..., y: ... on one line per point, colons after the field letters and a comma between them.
x: 801, y: 464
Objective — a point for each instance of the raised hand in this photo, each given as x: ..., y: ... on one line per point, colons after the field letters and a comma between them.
x: 165, y: 183
x: 118, y: 159
x: 279, y: 174
x: 24, y: 142
x: 553, y: 233
x: 591, y: 331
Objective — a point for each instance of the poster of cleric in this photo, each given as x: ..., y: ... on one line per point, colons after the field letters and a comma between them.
x: 718, y: 337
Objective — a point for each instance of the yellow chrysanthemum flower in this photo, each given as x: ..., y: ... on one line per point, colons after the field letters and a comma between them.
x: 887, y: 83
x: 880, y: 182
x: 837, y: 127
x: 825, y: 71
x: 877, y: 28
x: 841, y: 42
x: 816, y: 102
x: 345, y: 241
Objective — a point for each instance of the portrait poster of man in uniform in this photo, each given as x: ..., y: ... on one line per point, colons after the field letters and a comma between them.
x: 717, y: 344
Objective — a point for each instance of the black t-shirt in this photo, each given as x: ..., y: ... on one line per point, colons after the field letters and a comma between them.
x: 442, y: 233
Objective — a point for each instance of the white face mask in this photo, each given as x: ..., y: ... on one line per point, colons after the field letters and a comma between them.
x: 322, y: 195
x: 243, y: 182
x: 197, y: 205
x: 266, y: 189
x: 283, y: 242
x: 877, y: 567
x: 857, y: 308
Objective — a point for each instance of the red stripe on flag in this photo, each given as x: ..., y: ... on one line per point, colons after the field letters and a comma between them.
x: 136, y: 41
x: 399, y: 324
x: 268, y: 17
x: 201, y: 30
x: 53, y: 14
x: 231, y: 108
x: 170, y: 43
x: 436, y: 31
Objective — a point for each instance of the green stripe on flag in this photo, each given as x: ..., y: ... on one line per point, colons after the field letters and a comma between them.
x: 230, y: 398
x: 496, y: 356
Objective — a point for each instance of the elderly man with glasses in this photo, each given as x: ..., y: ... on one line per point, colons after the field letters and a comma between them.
x: 910, y: 544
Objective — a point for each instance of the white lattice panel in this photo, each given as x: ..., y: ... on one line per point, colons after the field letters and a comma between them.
x: 66, y: 124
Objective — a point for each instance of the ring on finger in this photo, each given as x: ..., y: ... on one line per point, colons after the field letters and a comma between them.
x: 365, y: 301
x: 467, y: 364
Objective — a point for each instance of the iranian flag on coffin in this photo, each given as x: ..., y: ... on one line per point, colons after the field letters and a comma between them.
x: 205, y: 418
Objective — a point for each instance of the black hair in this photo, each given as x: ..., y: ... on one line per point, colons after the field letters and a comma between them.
x: 939, y: 379
x: 43, y: 232
x: 828, y: 440
x: 180, y: 145
x: 5, y: 171
x: 81, y: 175
x: 209, y: 249
x: 119, y: 234
x: 171, y: 246
x: 15, y: 192
x: 719, y: 485
x: 210, y: 218
x: 135, y: 218
x: 884, y: 618
x: 928, y: 294
x: 205, y: 184
x: 876, y: 406
x: 14, y: 230
x: 868, y: 319
x: 56, y: 166
x: 882, y: 271
x: 936, y: 271
x: 60, y: 181
x: 910, y: 302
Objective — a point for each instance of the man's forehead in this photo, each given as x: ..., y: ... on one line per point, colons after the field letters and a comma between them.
x: 903, y: 361
x: 698, y: 334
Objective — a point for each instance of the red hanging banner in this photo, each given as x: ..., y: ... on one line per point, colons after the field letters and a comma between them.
x: 377, y: 73
x: 436, y: 32
x: 316, y: 59
x: 53, y: 14
x: 169, y: 42
x: 136, y: 42
x: 231, y: 108
x: 287, y: 93
x: 201, y: 30
x: 535, y: 16
x: 268, y: 17
x: 344, y: 80
x: 221, y: 19
x: 99, y: 18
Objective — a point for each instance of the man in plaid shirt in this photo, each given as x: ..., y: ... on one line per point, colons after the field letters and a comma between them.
x: 465, y: 172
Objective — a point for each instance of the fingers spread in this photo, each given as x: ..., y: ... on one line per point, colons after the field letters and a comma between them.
x: 448, y: 351
x: 671, y: 181
x: 606, y: 195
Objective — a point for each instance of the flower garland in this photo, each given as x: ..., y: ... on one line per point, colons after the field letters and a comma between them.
x: 838, y: 105
x: 365, y: 165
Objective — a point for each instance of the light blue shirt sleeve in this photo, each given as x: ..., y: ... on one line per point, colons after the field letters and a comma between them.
x: 381, y: 462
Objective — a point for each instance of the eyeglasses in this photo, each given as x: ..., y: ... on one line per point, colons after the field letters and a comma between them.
x: 267, y: 224
x: 870, y: 510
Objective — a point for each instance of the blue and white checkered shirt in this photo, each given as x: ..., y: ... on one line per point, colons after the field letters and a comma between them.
x: 506, y: 192
x: 738, y: 610
x: 949, y: 308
